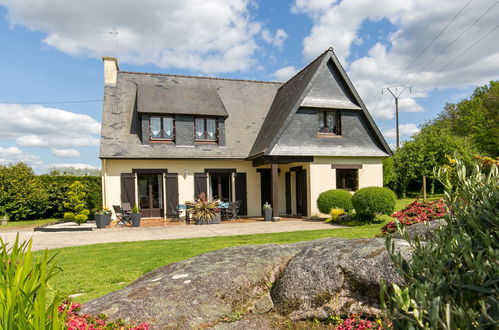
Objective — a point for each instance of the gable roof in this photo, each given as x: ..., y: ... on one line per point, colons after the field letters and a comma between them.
x: 180, y: 99
x: 295, y: 93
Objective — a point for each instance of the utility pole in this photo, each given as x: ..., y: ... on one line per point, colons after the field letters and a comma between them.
x: 396, y: 91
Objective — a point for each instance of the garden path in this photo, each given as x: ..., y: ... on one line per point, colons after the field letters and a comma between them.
x: 51, y: 240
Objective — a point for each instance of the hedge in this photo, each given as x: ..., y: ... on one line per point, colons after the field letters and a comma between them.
x: 371, y: 201
x: 57, y: 187
x: 330, y: 199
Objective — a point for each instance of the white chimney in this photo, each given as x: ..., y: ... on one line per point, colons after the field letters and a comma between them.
x: 110, y: 70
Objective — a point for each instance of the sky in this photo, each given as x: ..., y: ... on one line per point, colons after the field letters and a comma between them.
x: 51, y: 84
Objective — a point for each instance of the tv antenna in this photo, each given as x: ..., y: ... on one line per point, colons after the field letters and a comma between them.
x: 113, y: 34
x: 396, y: 91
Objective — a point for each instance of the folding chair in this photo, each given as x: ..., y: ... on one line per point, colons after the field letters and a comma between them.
x: 121, y: 215
x: 233, y: 210
x: 177, y: 211
x: 126, y: 207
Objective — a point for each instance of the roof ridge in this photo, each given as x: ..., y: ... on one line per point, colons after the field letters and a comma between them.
x: 202, y: 77
x: 307, y: 66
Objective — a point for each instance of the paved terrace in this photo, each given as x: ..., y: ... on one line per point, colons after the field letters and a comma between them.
x: 51, y: 240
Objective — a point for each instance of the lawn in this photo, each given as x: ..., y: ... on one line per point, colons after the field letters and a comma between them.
x: 94, y: 270
x: 28, y: 223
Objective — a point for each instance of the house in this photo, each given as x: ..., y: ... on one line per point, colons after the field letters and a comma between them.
x: 167, y: 138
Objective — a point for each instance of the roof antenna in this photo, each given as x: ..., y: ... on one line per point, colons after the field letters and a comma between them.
x: 114, y: 34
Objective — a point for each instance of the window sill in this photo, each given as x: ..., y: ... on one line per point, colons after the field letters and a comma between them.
x: 329, y: 136
x: 206, y: 142
x: 162, y: 141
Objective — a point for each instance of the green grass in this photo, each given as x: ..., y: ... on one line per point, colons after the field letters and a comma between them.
x: 28, y: 223
x: 401, y: 203
x: 95, y: 270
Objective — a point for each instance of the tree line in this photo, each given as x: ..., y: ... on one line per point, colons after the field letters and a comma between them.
x: 463, y: 130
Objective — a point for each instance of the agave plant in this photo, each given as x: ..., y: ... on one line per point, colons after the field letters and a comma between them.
x: 203, y: 210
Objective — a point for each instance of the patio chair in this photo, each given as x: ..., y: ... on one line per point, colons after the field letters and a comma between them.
x: 233, y: 210
x: 177, y: 211
x: 122, y: 216
x: 126, y: 207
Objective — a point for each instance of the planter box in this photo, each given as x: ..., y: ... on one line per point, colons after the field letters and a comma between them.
x: 217, y: 218
x: 267, y: 214
x: 102, y: 220
x: 135, y: 218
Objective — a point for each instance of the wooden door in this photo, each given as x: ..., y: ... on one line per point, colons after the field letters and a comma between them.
x: 265, y: 187
x: 150, y: 188
x: 241, y: 193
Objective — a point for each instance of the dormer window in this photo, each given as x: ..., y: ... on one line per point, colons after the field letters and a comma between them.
x: 162, y: 128
x: 330, y: 122
x: 206, y: 129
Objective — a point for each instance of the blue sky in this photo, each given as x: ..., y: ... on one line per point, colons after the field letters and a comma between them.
x: 53, y: 48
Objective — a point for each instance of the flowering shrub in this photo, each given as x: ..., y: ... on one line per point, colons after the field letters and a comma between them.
x: 335, y: 213
x: 417, y: 212
x: 352, y: 323
x: 75, y: 321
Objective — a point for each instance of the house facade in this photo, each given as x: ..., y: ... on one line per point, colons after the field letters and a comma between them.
x: 167, y: 138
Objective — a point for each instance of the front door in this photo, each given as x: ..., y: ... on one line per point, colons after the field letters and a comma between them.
x: 151, y: 195
x: 265, y: 187
x: 301, y: 193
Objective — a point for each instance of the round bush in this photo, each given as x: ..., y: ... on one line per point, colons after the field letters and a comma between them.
x: 334, y: 199
x: 372, y: 201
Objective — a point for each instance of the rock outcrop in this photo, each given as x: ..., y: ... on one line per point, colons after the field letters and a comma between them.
x: 299, y: 281
x: 422, y: 230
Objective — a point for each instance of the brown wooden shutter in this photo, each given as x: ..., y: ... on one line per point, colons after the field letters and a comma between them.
x: 288, y: 193
x: 171, y: 193
x: 128, y: 188
x: 200, y: 184
x: 241, y: 193
x: 304, y: 195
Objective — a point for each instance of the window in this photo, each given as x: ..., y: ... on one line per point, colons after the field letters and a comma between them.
x: 330, y: 122
x: 206, y: 129
x: 162, y: 128
x: 347, y: 179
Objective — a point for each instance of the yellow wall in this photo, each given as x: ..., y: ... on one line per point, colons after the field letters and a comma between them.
x: 320, y: 177
x: 323, y: 177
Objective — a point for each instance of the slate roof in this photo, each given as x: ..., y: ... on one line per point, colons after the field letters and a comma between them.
x: 180, y: 99
x: 246, y: 103
x: 295, y: 93
x: 257, y: 112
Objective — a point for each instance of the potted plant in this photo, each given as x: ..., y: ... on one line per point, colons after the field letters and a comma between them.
x: 267, y: 211
x: 102, y: 217
x: 204, y: 211
x: 135, y: 216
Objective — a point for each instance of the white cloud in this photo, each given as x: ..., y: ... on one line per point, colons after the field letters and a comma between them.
x: 337, y: 24
x: 78, y: 166
x: 66, y: 153
x: 202, y: 35
x: 13, y: 155
x: 277, y: 40
x: 283, y: 74
x: 39, y: 126
x: 405, y: 130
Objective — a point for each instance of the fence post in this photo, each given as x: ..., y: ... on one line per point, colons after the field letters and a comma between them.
x: 424, y: 188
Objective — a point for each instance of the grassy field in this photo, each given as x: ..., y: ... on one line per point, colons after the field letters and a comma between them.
x: 94, y: 270
x: 27, y: 223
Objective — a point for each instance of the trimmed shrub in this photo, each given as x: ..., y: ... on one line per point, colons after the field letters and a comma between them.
x: 338, y: 198
x: 372, y: 201
x: 451, y: 280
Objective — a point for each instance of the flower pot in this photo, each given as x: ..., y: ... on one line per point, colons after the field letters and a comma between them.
x: 267, y: 213
x: 216, y: 219
x: 203, y: 221
x: 135, y: 218
x: 102, y: 220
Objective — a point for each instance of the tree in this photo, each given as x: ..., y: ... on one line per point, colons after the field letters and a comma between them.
x: 428, y: 149
x: 76, y: 203
x: 22, y: 195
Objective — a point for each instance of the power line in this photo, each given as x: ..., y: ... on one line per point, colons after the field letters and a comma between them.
x: 53, y: 102
x: 456, y: 39
x: 434, y: 39
x: 461, y: 54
